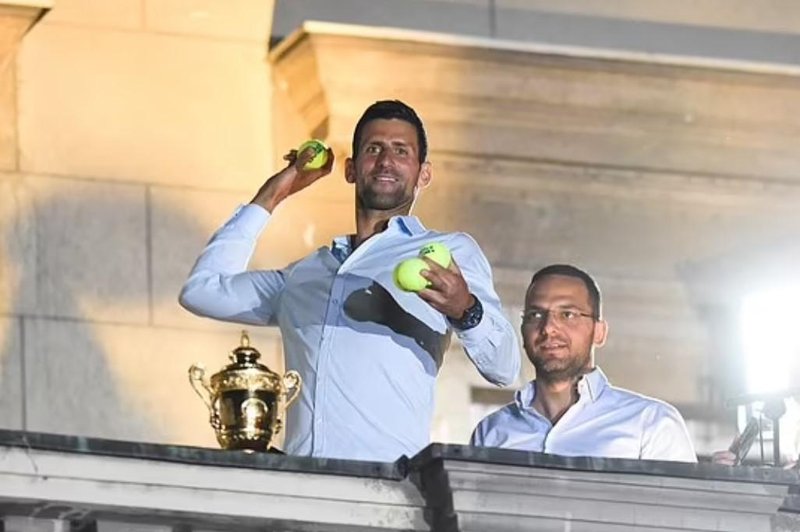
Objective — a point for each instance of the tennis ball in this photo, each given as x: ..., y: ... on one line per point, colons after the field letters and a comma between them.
x: 407, y: 275
x: 320, y: 154
x: 438, y: 253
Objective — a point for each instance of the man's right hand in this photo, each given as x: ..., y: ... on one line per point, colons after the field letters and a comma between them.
x: 725, y: 457
x: 291, y: 179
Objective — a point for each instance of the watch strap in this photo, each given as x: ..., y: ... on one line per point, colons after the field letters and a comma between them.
x: 471, y: 318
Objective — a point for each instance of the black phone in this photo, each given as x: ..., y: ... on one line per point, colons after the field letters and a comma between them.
x: 741, y: 444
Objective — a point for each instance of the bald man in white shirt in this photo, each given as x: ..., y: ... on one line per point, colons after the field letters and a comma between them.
x: 571, y: 409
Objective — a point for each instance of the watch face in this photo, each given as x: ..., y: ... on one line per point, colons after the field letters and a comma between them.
x: 472, y: 316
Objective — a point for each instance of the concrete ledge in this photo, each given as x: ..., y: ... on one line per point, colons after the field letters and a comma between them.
x: 58, y: 483
x: 273, y: 493
x: 498, y: 490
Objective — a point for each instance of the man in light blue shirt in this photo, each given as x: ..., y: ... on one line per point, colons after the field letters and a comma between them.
x: 571, y: 409
x: 368, y: 352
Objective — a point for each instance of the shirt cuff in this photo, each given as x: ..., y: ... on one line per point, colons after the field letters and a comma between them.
x: 249, y: 219
x: 474, y: 336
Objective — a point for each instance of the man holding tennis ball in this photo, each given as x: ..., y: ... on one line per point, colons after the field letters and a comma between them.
x: 366, y: 333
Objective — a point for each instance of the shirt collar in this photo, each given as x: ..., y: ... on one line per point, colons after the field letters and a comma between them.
x: 410, y: 225
x: 593, y: 384
x: 341, y: 246
x: 524, y: 396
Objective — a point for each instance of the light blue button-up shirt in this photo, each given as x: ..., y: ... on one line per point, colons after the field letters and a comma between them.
x: 368, y: 352
x: 606, y: 422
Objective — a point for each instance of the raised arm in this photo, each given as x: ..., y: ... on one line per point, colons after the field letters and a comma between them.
x: 219, y: 286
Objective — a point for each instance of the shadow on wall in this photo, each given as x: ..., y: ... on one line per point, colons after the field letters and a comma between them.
x: 78, y: 355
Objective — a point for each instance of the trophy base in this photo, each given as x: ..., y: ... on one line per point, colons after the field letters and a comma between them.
x: 258, y: 441
x: 238, y: 441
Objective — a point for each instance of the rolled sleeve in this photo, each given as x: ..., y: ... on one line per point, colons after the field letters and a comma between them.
x: 492, y: 344
x: 492, y: 347
x: 219, y: 286
x: 249, y: 220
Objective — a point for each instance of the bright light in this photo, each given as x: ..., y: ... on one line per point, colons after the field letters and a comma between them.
x: 771, y: 338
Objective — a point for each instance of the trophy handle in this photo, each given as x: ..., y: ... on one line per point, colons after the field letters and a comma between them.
x: 199, y: 385
x: 292, y: 382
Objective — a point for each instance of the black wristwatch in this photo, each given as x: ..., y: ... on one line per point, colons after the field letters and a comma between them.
x: 471, y: 317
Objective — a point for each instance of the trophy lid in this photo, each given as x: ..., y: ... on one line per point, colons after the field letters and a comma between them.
x: 244, y: 356
x: 244, y: 371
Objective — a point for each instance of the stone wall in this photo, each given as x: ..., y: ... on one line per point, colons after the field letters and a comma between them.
x: 135, y: 128
x: 132, y: 128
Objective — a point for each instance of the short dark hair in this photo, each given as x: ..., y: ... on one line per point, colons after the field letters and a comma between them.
x: 569, y: 270
x: 389, y: 110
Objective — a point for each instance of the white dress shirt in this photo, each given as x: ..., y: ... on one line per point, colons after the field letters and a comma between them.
x: 368, y: 352
x: 605, y: 422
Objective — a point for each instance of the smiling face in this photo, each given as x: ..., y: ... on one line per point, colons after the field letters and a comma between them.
x: 559, y: 331
x: 386, y: 169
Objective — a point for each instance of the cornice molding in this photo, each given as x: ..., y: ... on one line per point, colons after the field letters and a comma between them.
x: 722, y: 120
x: 16, y: 18
x: 386, y: 33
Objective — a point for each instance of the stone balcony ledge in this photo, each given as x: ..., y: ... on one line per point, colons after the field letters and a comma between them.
x: 56, y: 482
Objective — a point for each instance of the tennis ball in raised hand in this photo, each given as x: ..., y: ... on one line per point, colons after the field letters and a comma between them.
x: 407, y: 275
x: 438, y: 253
x: 320, y: 154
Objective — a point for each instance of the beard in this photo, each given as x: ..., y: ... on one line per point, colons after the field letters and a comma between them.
x: 371, y: 199
x: 559, y: 369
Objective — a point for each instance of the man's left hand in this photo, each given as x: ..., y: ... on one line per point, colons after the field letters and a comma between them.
x: 448, y: 292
